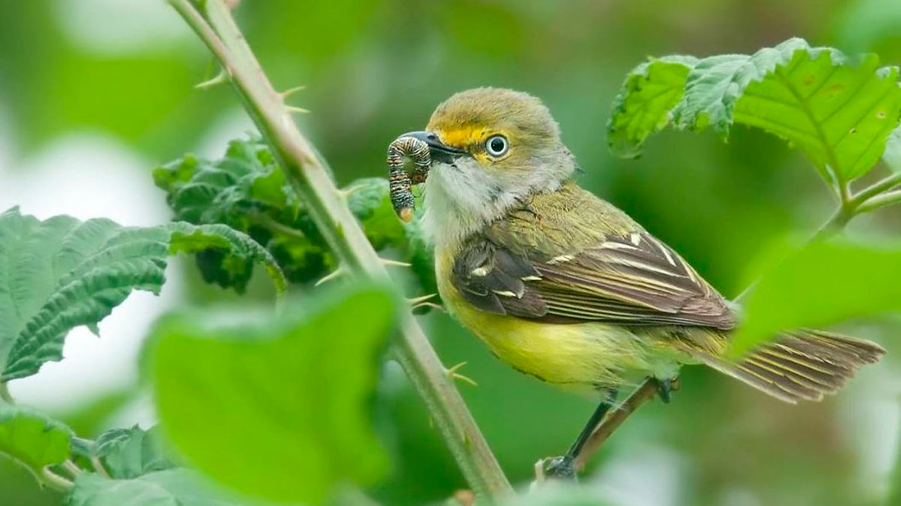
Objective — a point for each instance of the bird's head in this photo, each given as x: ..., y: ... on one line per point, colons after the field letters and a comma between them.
x: 491, y: 148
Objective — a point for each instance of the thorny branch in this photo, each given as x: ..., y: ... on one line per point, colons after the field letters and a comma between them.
x: 212, y: 21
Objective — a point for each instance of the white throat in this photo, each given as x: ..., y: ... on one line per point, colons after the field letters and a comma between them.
x: 460, y: 200
x: 463, y: 198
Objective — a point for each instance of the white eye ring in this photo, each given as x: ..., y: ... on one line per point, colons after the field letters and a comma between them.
x: 497, y: 145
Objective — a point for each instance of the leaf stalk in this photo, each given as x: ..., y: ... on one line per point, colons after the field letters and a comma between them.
x: 5, y: 396
x: 55, y: 481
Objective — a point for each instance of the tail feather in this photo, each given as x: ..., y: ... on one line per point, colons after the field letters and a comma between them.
x: 800, y: 365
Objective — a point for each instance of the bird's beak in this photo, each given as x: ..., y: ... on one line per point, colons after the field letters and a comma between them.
x: 439, y: 151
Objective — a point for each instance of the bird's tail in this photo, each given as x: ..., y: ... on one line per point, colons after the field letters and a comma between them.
x: 800, y: 365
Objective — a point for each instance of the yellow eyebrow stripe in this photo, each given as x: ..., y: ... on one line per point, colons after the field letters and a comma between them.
x: 461, y: 137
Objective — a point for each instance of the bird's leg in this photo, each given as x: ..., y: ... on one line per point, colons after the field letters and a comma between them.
x: 665, y: 389
x: 563, y: 467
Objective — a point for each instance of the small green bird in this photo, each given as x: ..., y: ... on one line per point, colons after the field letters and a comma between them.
x: 565, y: 287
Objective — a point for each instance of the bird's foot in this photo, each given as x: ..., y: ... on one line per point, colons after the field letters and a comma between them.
x: 665, y: 389
x: 558, y: 468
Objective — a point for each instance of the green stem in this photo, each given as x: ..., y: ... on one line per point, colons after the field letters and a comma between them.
x: 875, y: 189
x: 274, y: 226
x: 72, y: 468
x: 213, y: 23
x: 881, y: 200
x: 98, y: 466
x: 843, y: 215
x: 5, y: 396
x: 55, y: 481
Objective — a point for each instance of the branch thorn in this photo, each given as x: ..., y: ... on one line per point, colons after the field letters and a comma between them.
x: 296, y: 110
x: 330, y: 276
x: 395, y: 263
x: 420, y: 300
x: 290, y: 91
x: 219, y: 78
x: 345, y: 193
x: 454, y: 375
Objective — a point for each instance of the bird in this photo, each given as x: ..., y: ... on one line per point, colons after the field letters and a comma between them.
x: 565, y: 287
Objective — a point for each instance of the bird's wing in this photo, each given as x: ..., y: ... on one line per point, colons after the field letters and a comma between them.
x: 627, y: 279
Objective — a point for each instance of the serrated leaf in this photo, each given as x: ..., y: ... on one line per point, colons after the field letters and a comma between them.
x: 32, y: 439
x: 129, y: 453
x: 239, y: 190
x: 710, y: 93
x: 257, y: 406
x: 819, y: 285
x: 837, y: 110
x: 643, y: 105
x: 246, y: 180
x: 162, y: 488
x: 246, y: 191
x: 62, y: 273
x: 239, y: 253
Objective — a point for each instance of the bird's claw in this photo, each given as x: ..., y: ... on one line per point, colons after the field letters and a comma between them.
x: 559, y: 468
x: 665, y: 389
x: 424, y: 301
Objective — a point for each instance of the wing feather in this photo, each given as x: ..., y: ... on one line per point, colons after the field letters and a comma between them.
x: 633, y: 279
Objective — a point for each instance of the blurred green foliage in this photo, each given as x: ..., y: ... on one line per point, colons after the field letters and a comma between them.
x: 32, y: 439
x: 376, y: 68
x: 867, y: 284
x: 285, y: 415
x: 171, y: 486
x: 129, y: 453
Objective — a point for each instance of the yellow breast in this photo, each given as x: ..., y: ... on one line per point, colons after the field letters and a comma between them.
x: 577, y: 356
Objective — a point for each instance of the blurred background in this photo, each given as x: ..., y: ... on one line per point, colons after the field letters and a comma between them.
x: 95, y: 93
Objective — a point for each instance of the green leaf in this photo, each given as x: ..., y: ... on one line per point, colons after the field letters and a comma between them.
x: 643, y: 105
x: 239, y: 253
x: 174, y: 487
x: 837, y: 110
x: 32, y: 439
x: 246, y: 191
x: 819, y: 285
x: 243, y: 190
x: 129, y: 453
x: 276, y: 409
x: 228, y: 191
x: 62, y: 273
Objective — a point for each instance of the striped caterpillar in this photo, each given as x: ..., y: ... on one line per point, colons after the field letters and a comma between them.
x: 399, y: 180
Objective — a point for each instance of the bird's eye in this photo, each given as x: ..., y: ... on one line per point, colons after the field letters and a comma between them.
x: 497, y: 145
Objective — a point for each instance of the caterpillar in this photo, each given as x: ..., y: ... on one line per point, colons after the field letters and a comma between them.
x: 399, y: 181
